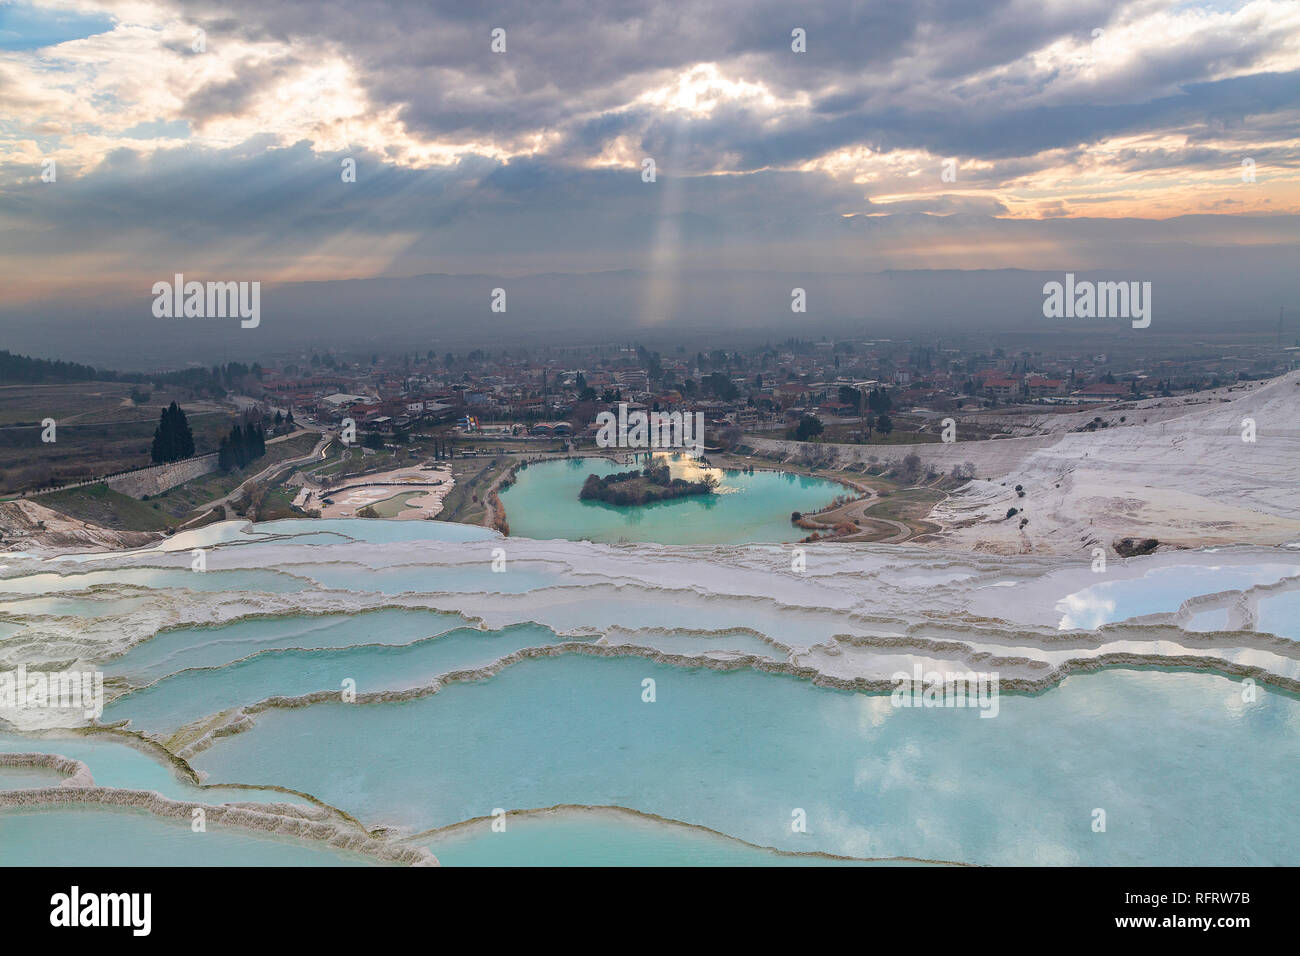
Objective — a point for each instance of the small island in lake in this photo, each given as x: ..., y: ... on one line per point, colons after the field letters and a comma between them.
x: 650, y: 484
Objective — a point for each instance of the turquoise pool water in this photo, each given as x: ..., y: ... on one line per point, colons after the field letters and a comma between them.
x: 1280, y: 614
x: 603, y: 838
x: 186, y: 647
x: 1161, y: 590
x: 739, y: 752
x: 543, y: 503
x: 186, y: 696
x: 113, y: 763
x: 28, y: 778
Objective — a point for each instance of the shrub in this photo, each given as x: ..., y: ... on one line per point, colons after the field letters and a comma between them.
x: 1129, y: 547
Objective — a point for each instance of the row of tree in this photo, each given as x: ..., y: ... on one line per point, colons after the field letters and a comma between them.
x: 245, y: 443
x: 216, y: 381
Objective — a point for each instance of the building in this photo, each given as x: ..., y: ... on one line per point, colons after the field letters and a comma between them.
x: 1039, y: 386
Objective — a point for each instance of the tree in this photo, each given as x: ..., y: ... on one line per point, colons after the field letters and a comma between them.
x: 244, y: 444
x: 911, y: 468
x: 172, y: 439
x: 884, y: 424
x: 878, y: 400
x: 724, y: 388
x: 809, y: 427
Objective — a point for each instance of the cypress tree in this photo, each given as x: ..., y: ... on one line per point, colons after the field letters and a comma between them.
x: 172, y: 439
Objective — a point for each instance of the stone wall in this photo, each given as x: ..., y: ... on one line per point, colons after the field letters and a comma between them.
x: 156, y: 480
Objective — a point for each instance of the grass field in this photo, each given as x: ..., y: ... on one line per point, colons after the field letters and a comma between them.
x: 846, y: 435
x: 473, y: 477
x: 910, y: 506
x: 102, y: 505
x: 277, y: 504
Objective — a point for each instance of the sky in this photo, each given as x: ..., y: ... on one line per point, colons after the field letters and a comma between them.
x: 1056, y: 135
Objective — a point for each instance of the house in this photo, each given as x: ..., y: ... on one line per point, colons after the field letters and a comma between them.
x: 1039, y: 386
x: 1002, y: 387
x: 343, y: 400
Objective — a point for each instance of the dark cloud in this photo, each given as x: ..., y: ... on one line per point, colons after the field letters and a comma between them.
x: 896, y: 75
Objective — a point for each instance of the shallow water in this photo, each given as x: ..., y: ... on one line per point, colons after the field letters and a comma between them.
x: 189, y: 695
x: 28, y: 778
x: 114, y: 763
x: 1161, y: 590
x: 739, y: 752
x: 189, y: 647
x: 601, y: 838
x: 1280, y: 614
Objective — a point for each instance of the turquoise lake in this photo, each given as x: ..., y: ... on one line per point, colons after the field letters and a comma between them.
x: 543, y: 503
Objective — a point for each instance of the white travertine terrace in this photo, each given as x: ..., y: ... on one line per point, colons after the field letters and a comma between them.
x: 1174, y: 469
x: 857, y: 615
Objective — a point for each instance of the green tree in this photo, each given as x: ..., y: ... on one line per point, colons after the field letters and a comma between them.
x: 809, y: 427
x: 172, y: 439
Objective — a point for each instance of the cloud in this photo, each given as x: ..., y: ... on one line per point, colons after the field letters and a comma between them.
x: 475, y: 161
